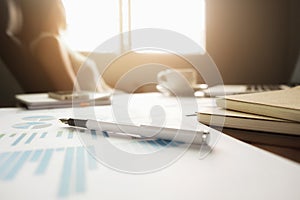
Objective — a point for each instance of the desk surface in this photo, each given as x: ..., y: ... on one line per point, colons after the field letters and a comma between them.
x: 287, y: 146
x: 46, y: 161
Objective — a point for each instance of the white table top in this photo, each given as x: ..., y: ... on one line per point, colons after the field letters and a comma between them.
x: 233, y: 170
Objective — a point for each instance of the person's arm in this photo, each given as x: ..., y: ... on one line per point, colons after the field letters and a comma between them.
x: 88, y: 75
x: 54, y: 60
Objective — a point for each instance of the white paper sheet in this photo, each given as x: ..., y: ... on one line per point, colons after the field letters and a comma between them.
x: 42, y: 159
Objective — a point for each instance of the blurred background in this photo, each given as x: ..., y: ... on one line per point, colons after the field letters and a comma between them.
x: 251, y: 41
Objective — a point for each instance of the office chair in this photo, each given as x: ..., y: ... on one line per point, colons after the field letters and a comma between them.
x: 11, y: 50
x: 15, y: 55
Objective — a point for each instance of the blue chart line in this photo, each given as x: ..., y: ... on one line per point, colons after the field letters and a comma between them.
x: 152, y: 143
x: 105, y: 134
x: 44, y: 162
x: 18, y: 165
x: 80, y: 170
x: 18, y: 139
x: 91, y: 161
x: 60, y: 149
x: 9, y: 161
x: 37, y: 154
x: 59, y: 134
x: 143, y: 143
x: 76, y: 163
x: 28, y: 141
x: 64, y: 186
x: 43, y: 135
x: 163, y: 142
x: 3, y: 156
x: 70, y: 135
x: 94, y: 134
x: 34, y: 136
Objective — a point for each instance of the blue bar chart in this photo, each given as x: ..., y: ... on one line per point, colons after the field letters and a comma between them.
x: 11, y: 163
x: 30, y: 137
x: 77, y: 160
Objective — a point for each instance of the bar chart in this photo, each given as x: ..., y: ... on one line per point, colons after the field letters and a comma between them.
x: 29, y: 137
x: 11, y: 163
x: 77, y: 161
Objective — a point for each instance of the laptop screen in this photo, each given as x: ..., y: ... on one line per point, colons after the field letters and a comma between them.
x: 295, y: 77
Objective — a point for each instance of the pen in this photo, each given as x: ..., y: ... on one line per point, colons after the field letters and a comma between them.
x: 144, y: 131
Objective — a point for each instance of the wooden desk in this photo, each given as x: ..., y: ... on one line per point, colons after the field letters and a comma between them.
x: 287, y: 146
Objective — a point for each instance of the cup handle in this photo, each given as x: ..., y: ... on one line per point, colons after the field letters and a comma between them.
x: 161, y: 77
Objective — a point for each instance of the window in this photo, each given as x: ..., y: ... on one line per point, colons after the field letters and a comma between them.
x: 91, y: 22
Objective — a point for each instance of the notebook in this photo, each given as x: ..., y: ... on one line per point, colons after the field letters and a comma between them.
x: 215, y: 116
x: 284, y: 104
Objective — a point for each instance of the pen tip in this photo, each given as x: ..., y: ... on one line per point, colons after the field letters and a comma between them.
x: 65, y: 121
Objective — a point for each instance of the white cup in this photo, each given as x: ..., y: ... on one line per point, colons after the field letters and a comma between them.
x: 177, y: 82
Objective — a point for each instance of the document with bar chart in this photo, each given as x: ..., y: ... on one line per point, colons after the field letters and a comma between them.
x: 45, y: 159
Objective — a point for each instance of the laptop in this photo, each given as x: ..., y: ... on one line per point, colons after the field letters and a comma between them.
x: 220, y: 90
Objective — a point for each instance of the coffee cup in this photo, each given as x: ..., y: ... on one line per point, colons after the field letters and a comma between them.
x: 177, y: 82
